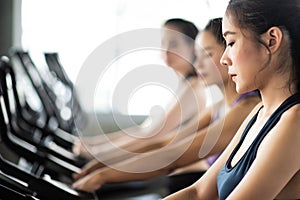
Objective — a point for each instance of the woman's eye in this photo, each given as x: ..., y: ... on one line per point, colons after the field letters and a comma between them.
x: 209, y: 54
x: 230, y: 44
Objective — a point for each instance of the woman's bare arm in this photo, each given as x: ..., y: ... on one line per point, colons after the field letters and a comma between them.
x: 179, y: 111
x: 180, y: 153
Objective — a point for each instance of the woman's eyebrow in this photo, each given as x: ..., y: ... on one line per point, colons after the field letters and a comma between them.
x: 228, y: 33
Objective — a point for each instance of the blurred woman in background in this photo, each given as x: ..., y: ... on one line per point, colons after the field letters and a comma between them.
x: 178, y: 37
x: 216, y: 127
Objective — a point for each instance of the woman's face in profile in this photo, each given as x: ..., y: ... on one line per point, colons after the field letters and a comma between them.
x: 177, y: 51
x: 209, y: 53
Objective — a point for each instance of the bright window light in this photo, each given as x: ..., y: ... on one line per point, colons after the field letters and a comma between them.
x: 74, y: 28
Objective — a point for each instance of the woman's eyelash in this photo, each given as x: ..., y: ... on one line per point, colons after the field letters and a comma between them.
x: 230, y: 44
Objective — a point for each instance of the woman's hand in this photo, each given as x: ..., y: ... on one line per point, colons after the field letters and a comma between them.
x: 90, y: 182
x: 80, y: 149
x: 90, y: 167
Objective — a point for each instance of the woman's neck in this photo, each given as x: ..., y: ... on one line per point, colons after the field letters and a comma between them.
x: 275, y: 92
x: 186, y: 71
x: 272, y: 99
x: 229, y: 92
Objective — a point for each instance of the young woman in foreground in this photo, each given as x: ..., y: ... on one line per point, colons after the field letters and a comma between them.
x: 263, y: 47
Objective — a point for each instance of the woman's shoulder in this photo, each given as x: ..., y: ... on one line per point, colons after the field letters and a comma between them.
x: 286, y: 131
x: 290, y: 118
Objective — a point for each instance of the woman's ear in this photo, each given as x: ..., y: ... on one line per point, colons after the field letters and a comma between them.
x: 273, y: 38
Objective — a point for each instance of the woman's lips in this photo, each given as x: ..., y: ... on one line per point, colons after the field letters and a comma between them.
x: 233, y: 76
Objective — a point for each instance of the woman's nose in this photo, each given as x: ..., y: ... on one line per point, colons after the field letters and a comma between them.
x: 197, y: 63
x: 225, y: 61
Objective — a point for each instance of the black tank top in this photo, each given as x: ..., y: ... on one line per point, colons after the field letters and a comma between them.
x: 229, y: 177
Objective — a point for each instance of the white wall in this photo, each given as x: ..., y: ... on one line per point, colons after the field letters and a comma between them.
x: 75, y: 28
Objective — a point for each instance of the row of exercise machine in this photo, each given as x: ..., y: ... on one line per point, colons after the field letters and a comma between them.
x: 40, y: 116
x: 37, y: 120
